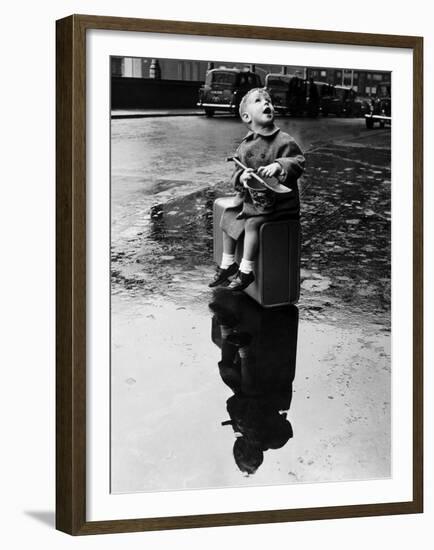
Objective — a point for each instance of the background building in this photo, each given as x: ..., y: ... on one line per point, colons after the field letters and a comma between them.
x: 174, y: 83
x: 183, y: 69
x: 363, y: 82
x: 170, y: 83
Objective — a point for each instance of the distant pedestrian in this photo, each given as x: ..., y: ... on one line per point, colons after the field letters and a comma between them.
x: 270, y: 153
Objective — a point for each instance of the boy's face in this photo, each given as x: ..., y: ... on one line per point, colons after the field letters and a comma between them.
x: 259, y: 110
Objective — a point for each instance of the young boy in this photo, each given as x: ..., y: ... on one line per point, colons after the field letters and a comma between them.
x: 270, y: 153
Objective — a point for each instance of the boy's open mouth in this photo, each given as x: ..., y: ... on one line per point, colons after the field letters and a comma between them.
x: 267, y: 111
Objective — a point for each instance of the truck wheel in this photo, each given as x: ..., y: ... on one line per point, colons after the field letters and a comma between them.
x: 369, y: 123
x: 209, y: 113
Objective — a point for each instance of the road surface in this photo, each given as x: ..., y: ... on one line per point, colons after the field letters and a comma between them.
x: 169, y: 397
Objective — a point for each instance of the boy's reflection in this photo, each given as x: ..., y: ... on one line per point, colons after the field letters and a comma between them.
x: 258, y: 348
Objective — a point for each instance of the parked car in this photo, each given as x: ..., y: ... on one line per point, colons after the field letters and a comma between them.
x: 358, y: 106
x: 332, y: 99
x: 341, y: 101
x: 287, y: 92
x: 314, y: 93
x: 380, y: 107
x: 224, y: 89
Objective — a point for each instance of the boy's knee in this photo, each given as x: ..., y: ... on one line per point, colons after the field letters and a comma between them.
x: 252, y: 224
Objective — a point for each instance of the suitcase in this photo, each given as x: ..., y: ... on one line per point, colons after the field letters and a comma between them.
x: 277, y: 266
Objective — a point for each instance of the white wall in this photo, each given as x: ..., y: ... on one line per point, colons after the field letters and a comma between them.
x: 27, y: 273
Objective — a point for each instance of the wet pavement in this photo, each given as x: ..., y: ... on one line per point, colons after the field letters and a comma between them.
x: 319, y: 409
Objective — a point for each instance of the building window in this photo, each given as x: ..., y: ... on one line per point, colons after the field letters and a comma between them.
x: 355, y: 76
x: 137, y: 67
x: 323, y: 73
x: 377, y: 77
x: 145, y: 68
x: 117, y: 64
x: 196, y: 70
x: 187, y: 67
x: 180, y: 70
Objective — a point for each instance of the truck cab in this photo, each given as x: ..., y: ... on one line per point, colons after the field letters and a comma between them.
x: 287, y: 92
x: 224, y: 88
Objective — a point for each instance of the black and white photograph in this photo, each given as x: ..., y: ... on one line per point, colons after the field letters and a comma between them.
x: 218, y: 251
x: 250, y: 274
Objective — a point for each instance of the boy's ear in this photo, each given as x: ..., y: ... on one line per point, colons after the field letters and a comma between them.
x: 246, y: 117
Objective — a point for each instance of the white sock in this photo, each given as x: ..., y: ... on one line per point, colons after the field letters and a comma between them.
x: 227, y: 260
x: 225, y: 331
x: 246, y: 266
x: 244, y: 352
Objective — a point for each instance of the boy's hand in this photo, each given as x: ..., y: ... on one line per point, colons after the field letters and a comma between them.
x: 246, y: 176
x: 270, y: 170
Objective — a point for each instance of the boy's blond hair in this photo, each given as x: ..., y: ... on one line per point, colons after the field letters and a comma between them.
x: 245, y: 99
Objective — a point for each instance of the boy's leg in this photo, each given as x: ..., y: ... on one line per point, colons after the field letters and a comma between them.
x: 251, y: 239
x: 228, y: 257
x: 228, y: 243
x: 228, y: 266
x: 251, y: 243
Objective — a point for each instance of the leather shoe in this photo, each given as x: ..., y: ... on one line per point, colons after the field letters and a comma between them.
x: 222, y: 275
x: 222, y: 315
x: 242, y: 281
x: 239, y: 339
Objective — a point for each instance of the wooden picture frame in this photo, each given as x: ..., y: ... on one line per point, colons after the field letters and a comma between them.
x: 71, y: 274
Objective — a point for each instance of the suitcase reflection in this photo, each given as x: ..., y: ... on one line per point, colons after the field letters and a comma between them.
x: 258, y: 358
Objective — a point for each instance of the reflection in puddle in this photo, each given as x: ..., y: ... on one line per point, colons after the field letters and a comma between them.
x: 258, y: 355
x: 173, y: 386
